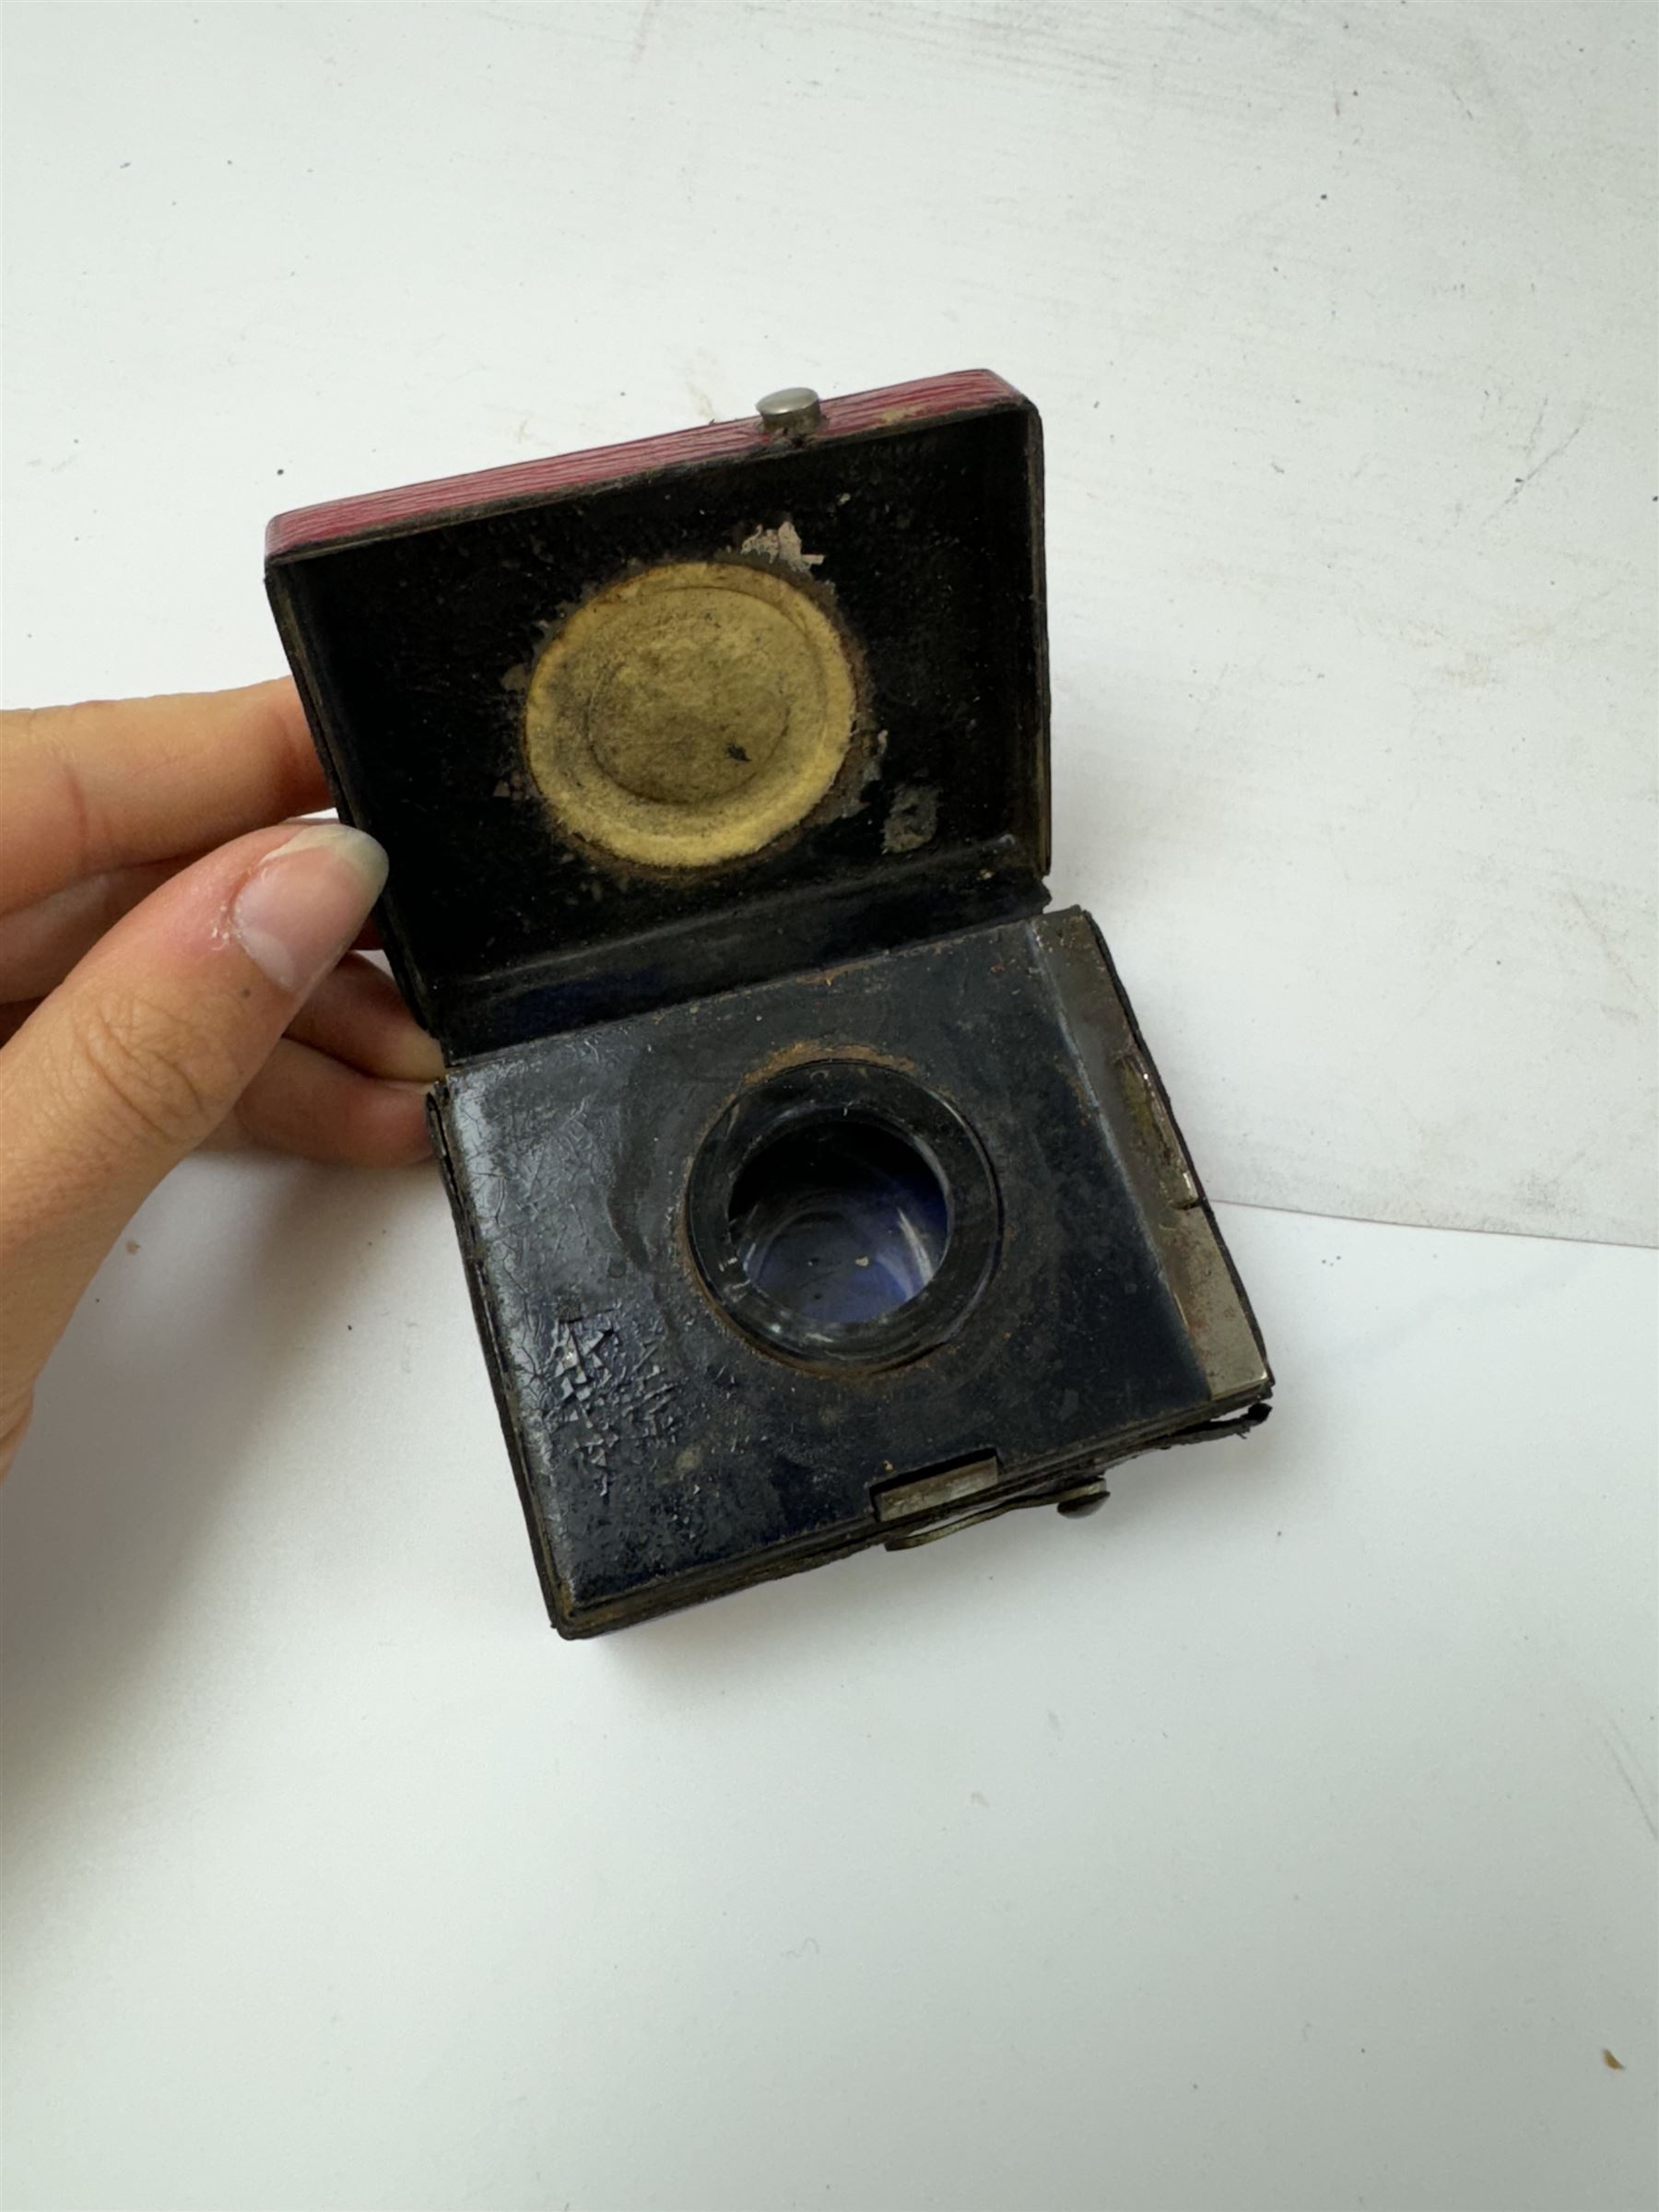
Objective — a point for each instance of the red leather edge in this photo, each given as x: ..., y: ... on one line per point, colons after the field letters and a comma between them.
x: 930, y: 396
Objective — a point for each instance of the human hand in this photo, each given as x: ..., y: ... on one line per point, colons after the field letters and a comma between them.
x: 162, y: 989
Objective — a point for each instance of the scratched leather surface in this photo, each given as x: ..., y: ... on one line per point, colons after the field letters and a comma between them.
x: 651, y: 1439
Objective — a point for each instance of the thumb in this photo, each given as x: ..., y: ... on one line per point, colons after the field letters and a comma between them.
x: 143, y: 1050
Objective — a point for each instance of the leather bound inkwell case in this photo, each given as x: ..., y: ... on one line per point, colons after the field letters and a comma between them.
x: 813, y: 1183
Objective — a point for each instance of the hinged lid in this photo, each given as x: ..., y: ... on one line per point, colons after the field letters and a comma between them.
x: 648, y: 722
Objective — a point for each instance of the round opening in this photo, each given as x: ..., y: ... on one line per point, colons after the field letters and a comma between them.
x: 839, y: 1221
x: 840, y: 1214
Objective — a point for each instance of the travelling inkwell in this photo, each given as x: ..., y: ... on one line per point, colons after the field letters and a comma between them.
x: 814, y: 1184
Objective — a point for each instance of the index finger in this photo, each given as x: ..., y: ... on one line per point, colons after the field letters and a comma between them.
x: 115, y: 782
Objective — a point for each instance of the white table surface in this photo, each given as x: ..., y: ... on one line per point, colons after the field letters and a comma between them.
x: 1285, y: 1835
x: 1281, y: 1837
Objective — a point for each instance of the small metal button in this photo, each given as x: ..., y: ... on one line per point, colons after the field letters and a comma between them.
x: 794, y: 411
x: 1088, y: 1498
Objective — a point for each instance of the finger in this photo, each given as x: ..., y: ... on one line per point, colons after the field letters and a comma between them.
x: 146, y: 1048
x: 356, y: 1014
x: 109, y: 784
x: 305, y: 1102
x: 12, y: 1017
x: 40, y: 944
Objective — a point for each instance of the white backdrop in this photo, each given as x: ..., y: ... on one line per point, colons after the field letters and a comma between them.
x: 1283, y: 1838
x: 1342, y: 324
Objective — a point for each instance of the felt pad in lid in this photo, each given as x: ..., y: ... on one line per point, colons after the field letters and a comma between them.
x: 646, y: 723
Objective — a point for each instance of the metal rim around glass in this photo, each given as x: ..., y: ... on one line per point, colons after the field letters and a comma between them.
x: 854, y: 1090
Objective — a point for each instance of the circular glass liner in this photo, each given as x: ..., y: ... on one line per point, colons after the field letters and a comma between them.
x: 839, y: 1221
x: 842, y: 1214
